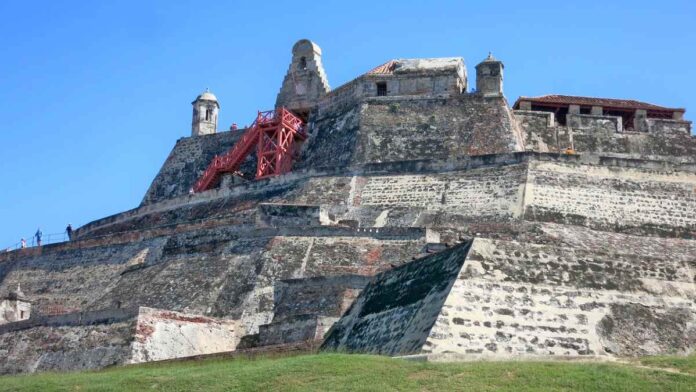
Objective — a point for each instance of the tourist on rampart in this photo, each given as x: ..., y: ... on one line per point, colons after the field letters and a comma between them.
x: 38, y: 236
x: 23, y: 243
x: 69, y: 230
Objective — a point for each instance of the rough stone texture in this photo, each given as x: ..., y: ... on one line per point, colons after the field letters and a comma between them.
x: 221, y: 272
x: 69, y: 342
x: 386, y: 129
x: 187, y: 162
x: 305, y: 309
x: 163, y: 334
x: 226, y: 266
x: 514, y: 299
x: 204, y: 120
x: 289, y: 215
x: 489, y: 77
x: 661, y: 139
x: 517, y: 300
x: 613, y: 194
x: 650, y: 201
x: 89, y: 340
x: 305, y: 82
x: 395, y: 312
x: 585, y: 236
x: 300, y: 328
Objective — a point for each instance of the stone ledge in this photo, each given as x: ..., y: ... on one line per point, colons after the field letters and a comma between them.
x: 405, y: 167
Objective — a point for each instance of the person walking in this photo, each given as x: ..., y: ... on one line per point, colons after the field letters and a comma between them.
x: 69, y: 230
x: 38, y: 236
x: 24, y: 243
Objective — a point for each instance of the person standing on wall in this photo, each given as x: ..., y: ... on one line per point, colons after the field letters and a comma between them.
x: 38, y: 236
x: 24, y: 243
x: 69, y: 230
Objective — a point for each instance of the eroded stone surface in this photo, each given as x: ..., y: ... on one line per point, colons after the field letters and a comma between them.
x: 507, y: 300
x: 585, y: 235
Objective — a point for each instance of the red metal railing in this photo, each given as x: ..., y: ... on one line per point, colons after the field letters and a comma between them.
x: 274, y: 133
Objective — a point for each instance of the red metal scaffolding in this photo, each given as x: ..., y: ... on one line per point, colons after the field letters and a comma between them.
x: 275, y: 133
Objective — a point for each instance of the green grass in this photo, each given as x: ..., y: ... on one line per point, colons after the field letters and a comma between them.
x: 682, y: 364
x: 341, y: 372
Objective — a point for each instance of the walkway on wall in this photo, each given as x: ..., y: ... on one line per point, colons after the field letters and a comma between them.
x: 51, y: 238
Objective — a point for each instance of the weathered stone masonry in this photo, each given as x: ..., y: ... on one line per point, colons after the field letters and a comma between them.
x: 532, y: 236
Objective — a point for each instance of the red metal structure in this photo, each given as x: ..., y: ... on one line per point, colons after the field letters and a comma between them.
x: 275, y: 133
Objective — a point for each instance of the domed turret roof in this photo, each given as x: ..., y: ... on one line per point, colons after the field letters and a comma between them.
x: 206, y: 96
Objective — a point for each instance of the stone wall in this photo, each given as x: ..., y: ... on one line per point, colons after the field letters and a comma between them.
x: 95, y: 339
x: 391, y: 129
x: 377, y: 129
x: 587, y: 297
x: 305, y: 309
x: 222, y: 272
x: 442, y: 77
x: 648, y: 201
x: 188, y: 160
x: 163, y: 334
x: 71, y: 342
x: 370, y: 130
x: 289, y: 215
x: 339, y: 195
x: 515, y: 299
x: 401, y: 130
x: 321, y: 295
x: 585, y: 133
x: 393, y: 314
x: 612, y: 194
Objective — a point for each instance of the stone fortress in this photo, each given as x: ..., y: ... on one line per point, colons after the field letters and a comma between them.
x: 421, y: 217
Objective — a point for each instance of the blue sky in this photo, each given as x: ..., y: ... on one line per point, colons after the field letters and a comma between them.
x: 95, y: 94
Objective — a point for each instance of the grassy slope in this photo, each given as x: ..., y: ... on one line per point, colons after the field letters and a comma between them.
x: 682, y: 364
x: 331, y: 372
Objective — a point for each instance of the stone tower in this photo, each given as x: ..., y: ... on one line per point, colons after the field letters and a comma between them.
x: 205, y: 114
x: 489, y: 77
x: 305, y: 83
x: 14, y: 307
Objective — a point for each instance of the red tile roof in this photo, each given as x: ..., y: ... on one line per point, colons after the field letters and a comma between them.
x: 384, y: 69
x: 591, y: 101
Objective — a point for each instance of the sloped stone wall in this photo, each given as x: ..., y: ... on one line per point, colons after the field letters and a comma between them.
x: 188, y: 160
x: 380, y: 129
x: 515, y: 299
x: 75, y: 279
x: 76, y: 341
x: 305, y: 309
x: 394, y: 313
x: 220, y: 272
x: 650, y: 201
x: 605, y: 193
x: 92, y: 340
x: 438, y: 129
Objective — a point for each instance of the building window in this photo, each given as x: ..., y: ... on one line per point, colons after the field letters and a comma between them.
x: 302, y: 64
x: 21, y: 315
x: 207, y: 114
x: 381, y: 89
